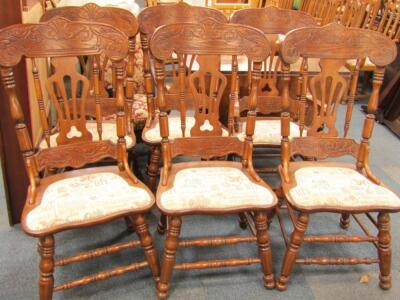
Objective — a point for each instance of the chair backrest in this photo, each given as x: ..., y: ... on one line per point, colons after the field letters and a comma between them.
x: 390, y: 20
x: 334, y: 44
x: 118, y: 18
x: 324, y: 11
x: 62, y: 41
x: 207, y: 41
x: 272, y: 21
x: 153, y: 17
x: 229, y: 7
x: 358, y: 13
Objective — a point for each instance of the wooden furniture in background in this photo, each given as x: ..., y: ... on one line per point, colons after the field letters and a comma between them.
x: 149, y: 20
x: 209, y: 187
x: 342, y: 188
x: 80, y: 197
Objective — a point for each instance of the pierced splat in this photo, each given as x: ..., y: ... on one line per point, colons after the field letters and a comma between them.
x: 327, y: 90
x: 70, y: 112
x: 207, y: 86
x: 269, y: 80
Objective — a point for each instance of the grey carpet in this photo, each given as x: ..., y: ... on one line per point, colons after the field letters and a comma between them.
x: 19, y: 260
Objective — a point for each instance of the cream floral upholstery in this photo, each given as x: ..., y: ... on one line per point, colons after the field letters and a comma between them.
x: 86, y: 197
x: 214, y: 188
x: 109, y: 133
x: 175, y: 131
x: 268, y: 132
x: 139, y: 109
x: 342, y: 187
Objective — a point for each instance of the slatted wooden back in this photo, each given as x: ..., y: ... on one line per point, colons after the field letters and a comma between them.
x: 358, y: 13
x: 229, y: 8
x: 207, y: 41
x: 390, y: 20
x: 273, y: 22
x: 118, y: 18
x: 62, y: 41
x: 149, y: 20
x: 324, y: 11
x: 333, y: 44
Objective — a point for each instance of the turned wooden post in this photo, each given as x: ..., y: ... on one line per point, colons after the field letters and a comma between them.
x: 46, y: 267
x: 170, y: 247
x: 384, y: 251
x: 345, y: 220
x: 153, y: 167
x: 292, y: 251
x: 130, y: 84
x: 162, y: 224
x: 148, y: 83
x: 147, y: 245
x: 264, y: 249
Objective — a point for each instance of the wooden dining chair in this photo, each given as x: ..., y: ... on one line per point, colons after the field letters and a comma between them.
x: 208, y: 186
x: 275, y: 23
x: 101, y: 126
x: 79, y: 197
x: 335, y: 187
x: 149, y: 20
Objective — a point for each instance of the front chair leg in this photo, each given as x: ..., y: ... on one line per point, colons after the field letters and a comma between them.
x: 292, y: 251
x: 384, y: 251
x: 345, y: 221
x: 153, y: 167
x: 46, y: 267
x: 264, y: 249
x: 147, y: 245
x: 170, y: 247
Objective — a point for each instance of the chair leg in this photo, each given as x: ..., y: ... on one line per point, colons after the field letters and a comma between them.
x: 147, y: 244
x: 345, y: 221
x: 46, y: 267
x: 170, y: 247
x: 291, y: 252
x: 264, y: 249
x: 384, y: 251
x: 153, y: 167
x: 242, y: 221
x: 162, y: 224
x: 129, y: 224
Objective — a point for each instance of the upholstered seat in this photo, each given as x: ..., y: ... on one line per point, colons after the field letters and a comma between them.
x: 109, y: 133
x: 268, y: 132
x: 210, y: 188
x: 174, y: 124
x: 340, y: 187
x: 86, y: 198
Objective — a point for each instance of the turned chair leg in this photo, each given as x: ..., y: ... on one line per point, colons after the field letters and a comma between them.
x: 153, y: 167
x: 170, y: 247
x: 242, y: 220
x: 264, y: 249
x: 345, y: 221
x: 162, y: 224
x: 384, y: 251
x: 129, y: 224
x: 147, y: 245
x: 292, y: 251
x: 46, y: 267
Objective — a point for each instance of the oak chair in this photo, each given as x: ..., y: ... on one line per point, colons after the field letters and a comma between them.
x: 343, y: 188
x: 80, y: 197
x: 149, y: 20
x: 274, y: 22
x: 213, y: 186
x: 126, y: 22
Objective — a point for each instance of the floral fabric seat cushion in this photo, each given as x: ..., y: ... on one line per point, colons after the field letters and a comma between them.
x: 214, y: 188
x: 175, y: 131
x: 109, y: 133
x: 85, y: 197
x: 339, y: 187
x: 268, y: 132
